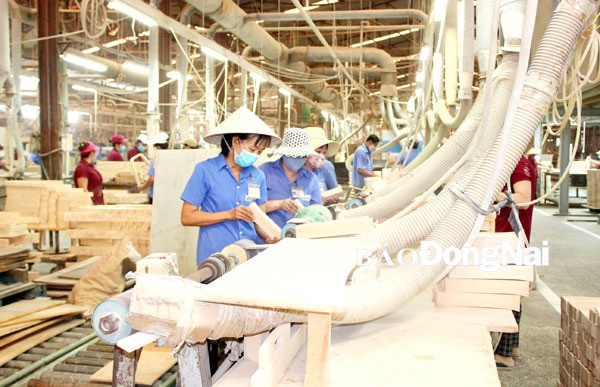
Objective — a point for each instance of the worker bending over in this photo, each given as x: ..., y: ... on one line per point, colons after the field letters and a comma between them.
x: 288, y: 180
x: 363, y: 165
x: 217, y: 195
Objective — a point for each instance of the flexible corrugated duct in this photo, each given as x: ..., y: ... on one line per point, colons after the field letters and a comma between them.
x: 232, y: 18
x: 374, y: 299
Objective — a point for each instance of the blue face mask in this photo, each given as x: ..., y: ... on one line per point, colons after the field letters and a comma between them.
x: 141, y: 148
x: 294, y: 163
x: 122, y: 148
x: 245, y: 159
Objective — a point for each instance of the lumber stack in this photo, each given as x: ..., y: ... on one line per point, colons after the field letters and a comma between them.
x: 42, y: 204
x: 60, y: 283
x: 12, y: 257
x: 579, y: 342
x: 14, y: 232
x: 25, y: 324
x: 121, y: 172
x: 94, y: 230
x: 593, y: 188
x: 117, y: 196
x: 471, y: 286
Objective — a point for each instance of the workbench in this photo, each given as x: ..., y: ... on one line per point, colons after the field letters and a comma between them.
x: 418, y: 345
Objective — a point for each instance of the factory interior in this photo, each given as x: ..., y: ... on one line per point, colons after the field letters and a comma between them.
x: 281, y: 193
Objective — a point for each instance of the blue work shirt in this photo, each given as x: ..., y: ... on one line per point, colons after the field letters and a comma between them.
x: 151, y: 172
x: 362, y: 160
x: 279, y: 187
x: 213, y: 188
x: 411, y: 155
x: 326, y: 176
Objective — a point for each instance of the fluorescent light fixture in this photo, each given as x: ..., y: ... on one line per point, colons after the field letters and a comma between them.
x: 402, y: 76
x: 131, y: 38
x: 80, y: 61
x: 285, y: 92
x: 83, y: 88
x: 385, y: 37
x: 136, y: 67
x: 176, y: 75
x: 91, y: 50
x: 114, y: 43
x: 257, y: 78
x: 74, y: 116
x: 295, y: 10
x: 194, y: 56
x: 30, y: 112
x: 325, y: 2
x: 131, y: 12
x: 406, y: 86
x: 420, y: 77
x: 144, y: 33
x: 236, y: 75
x: 28, y: 83
x: 213, y: 54
x: 439, y: 10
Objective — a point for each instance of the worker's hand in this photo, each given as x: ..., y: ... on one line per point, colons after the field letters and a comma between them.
x: 271, y: 241
x: 330, y: 201
x: 140, y: 188
x: 242, y: 213
x: 289, y: 206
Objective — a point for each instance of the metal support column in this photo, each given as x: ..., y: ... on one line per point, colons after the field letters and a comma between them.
x: 124, y: 367
x: 565, y: 150
x: 194, y: 366
x: 50, y: 114
x: 164, y: 53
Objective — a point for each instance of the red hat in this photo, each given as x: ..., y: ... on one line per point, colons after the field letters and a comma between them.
x: 89, y: 148
x: 117, y: 138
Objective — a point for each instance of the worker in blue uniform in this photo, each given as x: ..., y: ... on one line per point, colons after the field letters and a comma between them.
x: 217, y: 195
x: 290, y: 185
x: 363, y: 164
x: 319, y: 163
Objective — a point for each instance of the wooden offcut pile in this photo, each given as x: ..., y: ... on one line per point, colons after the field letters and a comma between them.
x: 25, y: 324
x: 122, y: 172
x: 579, y: 342
x: 123, y: 197
x: 14, y: 232
x: 14, y: 277
x: 96, y: 229
x: 60, y: 283
x: 43, y: 203
x: 593, y: 189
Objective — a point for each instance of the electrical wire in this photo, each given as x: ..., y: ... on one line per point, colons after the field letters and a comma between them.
x: 93, y: 18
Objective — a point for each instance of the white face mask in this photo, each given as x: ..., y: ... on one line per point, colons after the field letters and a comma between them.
x: 372, y: 148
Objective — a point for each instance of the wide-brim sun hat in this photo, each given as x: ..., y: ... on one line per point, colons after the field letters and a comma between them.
x: 318, y: 139
x: 160, y: 138
x: 242, y: 121
x: 296, y: 143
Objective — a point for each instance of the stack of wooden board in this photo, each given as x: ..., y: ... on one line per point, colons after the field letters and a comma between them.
x: 25, y: 324
x: 60, y: 283
x: 12, y: 257
x: 499, y: 288
x: 593, y: 189
x: 579, y: 342
x: 96, y: 229
x: 121, y: 172
x: 117, y: 196
x: 13, y: 230
x: 42, y: 204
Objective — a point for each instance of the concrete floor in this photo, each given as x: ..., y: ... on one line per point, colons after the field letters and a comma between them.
x: 574, y: 246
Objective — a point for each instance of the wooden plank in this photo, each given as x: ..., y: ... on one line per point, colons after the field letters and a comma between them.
x: 60, y: 310
x: 25, y: 307
x: 17, y: 327
x: 11, y: 351
x: 153, y: 363
x: 317, y: 350
x: 41, y: 324
x: 510, y: 272
x: 499, y: 301
x: 57, y: 278
x: 465, y: 285
x: 277, y: 276
x: 335, y: 228
x: 263, y: 221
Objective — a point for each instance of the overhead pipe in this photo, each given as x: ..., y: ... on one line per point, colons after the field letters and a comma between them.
x: 310, y: 54
x: 232, y: 18
x: 338, y: 28
x: 340, y: 15
x: 7, y: 85
x: 115, y: 70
